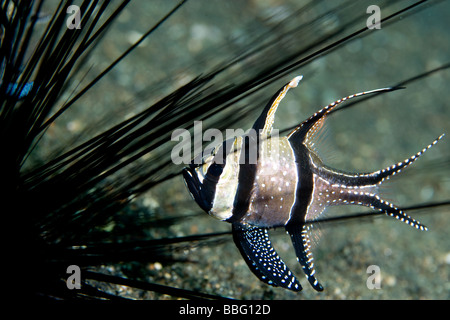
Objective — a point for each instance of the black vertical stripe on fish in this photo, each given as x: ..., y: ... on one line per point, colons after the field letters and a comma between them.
x: 214, y: 172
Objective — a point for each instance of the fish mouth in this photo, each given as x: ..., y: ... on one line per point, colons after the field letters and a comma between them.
x: 194, y: 186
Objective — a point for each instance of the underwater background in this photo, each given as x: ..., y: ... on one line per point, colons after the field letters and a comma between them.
x: 205, y: 35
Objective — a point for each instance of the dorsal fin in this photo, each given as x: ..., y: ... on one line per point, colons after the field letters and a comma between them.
x: 267, y: 117
x: 308, y: 129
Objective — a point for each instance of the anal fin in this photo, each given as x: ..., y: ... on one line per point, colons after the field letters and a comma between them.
x: 300, y: 240
x: 262, y: 259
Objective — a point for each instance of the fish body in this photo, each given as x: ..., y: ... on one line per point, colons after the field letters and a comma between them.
x: 259, y: 181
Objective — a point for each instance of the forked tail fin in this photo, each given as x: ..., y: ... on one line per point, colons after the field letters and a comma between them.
x: 350, y: 181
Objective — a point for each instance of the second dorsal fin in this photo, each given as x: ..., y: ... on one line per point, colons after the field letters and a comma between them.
x: 305, y: 132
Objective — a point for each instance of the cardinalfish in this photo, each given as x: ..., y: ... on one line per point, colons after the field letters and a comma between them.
x: 287, y: 186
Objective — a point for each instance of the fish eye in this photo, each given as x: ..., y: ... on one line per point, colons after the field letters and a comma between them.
x: 194, y: 165
x: 215, y: 169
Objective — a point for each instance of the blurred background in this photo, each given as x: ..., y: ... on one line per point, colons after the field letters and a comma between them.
x: 267, y: 35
